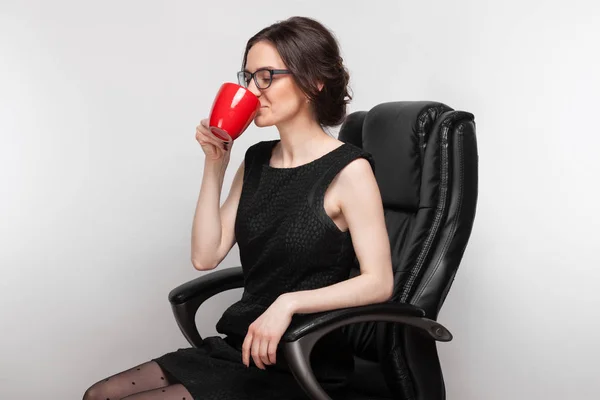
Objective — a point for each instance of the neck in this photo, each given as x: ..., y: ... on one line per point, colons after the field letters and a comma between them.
x: 300, y: 137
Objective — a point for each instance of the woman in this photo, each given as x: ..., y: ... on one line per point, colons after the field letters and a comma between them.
x: 301, y: 209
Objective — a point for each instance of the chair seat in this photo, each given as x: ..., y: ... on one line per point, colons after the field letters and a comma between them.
x: 359, y: 396
x: 368, y: 381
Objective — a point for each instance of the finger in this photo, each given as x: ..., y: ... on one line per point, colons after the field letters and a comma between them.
x: 225, y: 147
x: 222, y: 145
x: 222, y: 152
x: 216, y: 140
x: 214, y: 150
x: 264, y: 352
x: 204, y: 139
x: 256, y: 353
x: 208, y: 143
x: 207, y: 136
x: 246, y: 346
x: 272, y: 351
x: 204, y: 129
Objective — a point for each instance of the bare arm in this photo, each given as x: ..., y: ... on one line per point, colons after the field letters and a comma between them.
x: 213, y: 227
x: 361, y: 204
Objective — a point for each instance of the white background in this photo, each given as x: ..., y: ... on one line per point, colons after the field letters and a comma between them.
x: 100, y: 172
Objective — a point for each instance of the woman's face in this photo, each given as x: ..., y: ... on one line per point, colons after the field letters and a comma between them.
x: 283, y: 100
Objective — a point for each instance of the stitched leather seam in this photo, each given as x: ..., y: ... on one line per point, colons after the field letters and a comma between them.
x: 438, y: 215
x: 455, y: 223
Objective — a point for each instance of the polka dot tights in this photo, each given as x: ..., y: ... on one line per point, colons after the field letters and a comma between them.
x: 144, y: 382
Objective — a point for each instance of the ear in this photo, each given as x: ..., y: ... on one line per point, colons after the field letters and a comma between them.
x: 320, y: 85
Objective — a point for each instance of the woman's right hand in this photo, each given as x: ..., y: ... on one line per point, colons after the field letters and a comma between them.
x: 213, y: 148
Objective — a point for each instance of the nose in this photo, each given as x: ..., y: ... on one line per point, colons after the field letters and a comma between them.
x: 253, y: 88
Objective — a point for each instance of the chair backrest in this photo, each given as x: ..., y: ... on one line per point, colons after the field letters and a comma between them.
x: 426, y: 165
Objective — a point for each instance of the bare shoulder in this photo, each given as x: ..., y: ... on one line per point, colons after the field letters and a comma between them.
x: 356, y: 172
x: 354, y: 182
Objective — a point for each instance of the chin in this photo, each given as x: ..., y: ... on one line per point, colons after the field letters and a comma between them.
x: 261, y: 122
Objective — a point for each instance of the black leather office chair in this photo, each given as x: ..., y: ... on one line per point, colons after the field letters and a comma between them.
x: 426, y: 165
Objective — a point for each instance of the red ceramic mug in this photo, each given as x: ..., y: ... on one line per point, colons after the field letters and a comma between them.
x: 232, y: 111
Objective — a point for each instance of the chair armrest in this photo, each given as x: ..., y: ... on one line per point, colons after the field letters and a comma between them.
x: 308, y: 323
x: 208, y: 285
x: 186, y: 298
x: 306, y: 330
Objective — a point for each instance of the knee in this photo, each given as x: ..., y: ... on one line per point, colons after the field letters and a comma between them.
x: 93, y: 393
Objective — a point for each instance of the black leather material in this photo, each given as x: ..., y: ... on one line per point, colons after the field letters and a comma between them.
x: 208, y: 285
x: 352, y: 128
x: 368, y: 380
x: 395, y: 136
x: 187, y: 298
x: 426, y: 165
x: 455, y: 213
x: 307, y: 323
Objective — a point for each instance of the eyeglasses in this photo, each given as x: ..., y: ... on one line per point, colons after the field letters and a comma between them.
x: 262, y: 77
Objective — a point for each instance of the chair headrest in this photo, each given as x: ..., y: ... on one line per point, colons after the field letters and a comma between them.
x: 396, y: 134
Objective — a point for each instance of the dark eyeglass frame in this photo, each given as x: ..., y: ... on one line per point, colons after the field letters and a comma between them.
x: 242, y: 76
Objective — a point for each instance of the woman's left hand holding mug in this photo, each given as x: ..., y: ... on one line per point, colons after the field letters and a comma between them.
x: 213, y: 148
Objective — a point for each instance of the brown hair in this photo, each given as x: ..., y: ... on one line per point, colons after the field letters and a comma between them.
x: 311, y: 52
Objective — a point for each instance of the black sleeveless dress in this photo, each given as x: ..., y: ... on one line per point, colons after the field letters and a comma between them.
x: 287, y: 243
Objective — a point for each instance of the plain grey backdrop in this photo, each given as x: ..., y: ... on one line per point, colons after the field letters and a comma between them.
x: 100, y: 172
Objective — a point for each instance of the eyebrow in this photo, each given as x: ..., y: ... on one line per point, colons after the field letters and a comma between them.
x: 265, y: 67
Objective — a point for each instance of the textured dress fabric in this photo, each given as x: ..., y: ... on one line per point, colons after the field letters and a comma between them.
x: 287, y: 243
